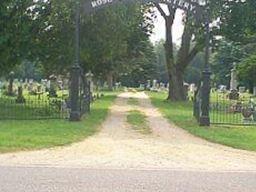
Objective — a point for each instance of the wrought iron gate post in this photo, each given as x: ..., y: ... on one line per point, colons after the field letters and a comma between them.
x: 75, y: 74
x: 204, y: 119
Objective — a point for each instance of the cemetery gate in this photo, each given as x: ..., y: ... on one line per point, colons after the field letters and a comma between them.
x: 201, y: 14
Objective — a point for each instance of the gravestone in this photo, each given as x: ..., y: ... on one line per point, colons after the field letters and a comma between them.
x: 142, y: 86
x: 186, y: 89
x: 222, y: 89
x: 10, y: 86
x: 148, y: 85
x: 242, y: 89
x: 247, y: 113
x: 154, y: 86
x: 233, y: 95
x: 20, y: 99
x: 233, y: 80
x: 53, y: 86
x: 254, y: 91
x: 162, y: 87
x: 89, y: 78
x: 192, y: 88
x: 30, y: 87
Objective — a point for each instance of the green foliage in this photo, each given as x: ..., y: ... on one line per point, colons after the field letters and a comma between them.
x: 181, y: 114
x: 140, y: 68
x: 133, y: 101
x: 30, y: 135
x: 162, y: 74
x: 43, y: 32
x: 224, y: 59
x: 194, y: 70
x: 138, y: 121
x: 237, y: 18
x: 247, y: 72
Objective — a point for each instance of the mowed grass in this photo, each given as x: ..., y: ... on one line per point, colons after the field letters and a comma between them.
x: 181, y: 113
x: 133, y: 101
x: 138, y: 121
x: 38, y: 134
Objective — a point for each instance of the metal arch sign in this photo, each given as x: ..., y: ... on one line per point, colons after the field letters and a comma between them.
x: 192, y: 6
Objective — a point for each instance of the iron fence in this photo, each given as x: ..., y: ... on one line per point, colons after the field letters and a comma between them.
x: 52, y: 108
x: 18, y: 101
x: 85, y: 95
x: 233, y: 109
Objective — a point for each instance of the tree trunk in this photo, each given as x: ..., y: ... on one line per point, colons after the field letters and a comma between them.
x: 175, y: 73
x: 176, y: 69
x: 110, y: 80
x: 176, y: 86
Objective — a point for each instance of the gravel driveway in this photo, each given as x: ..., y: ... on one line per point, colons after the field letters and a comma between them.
x: 120, y: 147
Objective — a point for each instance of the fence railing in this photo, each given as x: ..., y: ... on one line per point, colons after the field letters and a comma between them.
x: 37, y: 106
x: 239, y: 110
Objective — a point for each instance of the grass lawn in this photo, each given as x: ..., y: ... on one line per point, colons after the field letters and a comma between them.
x: 181, y: 114
x: 37, y: 134
x: 133, y: 101
x: 138, y: 121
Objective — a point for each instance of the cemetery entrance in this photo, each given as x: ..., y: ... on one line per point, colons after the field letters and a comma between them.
x: 194, y: 9
x: 69, y: 96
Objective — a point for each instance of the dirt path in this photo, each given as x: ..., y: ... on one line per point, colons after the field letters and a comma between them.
x: 118, y: 146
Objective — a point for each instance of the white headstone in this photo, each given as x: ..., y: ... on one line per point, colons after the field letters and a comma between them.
x: 154, y: 84
x: 222, y: 88
x: 242, y: 89
x: 192, y: 87
x: 148, y: 84
x: 233, y: 80
x: 254, y: 91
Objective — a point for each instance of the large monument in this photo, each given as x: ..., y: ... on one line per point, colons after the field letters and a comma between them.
x: 233, y: 80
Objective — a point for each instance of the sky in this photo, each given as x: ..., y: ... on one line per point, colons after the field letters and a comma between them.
x: 159, y: 30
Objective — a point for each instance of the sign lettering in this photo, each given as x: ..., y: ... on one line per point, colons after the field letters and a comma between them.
x: 187, y: 5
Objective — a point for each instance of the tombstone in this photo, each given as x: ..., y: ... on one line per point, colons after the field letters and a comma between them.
x: 10, y: 86
x: 233, y: 80
x: 233, y: 95
x: 247, y: 113
x: 222, y: 89
x: 20, y: 99
x: 60, y: 84
x: 162, y: 87
x: 192, y: 88
x: 39, y: 91
x: 89, y: 78
x: 242, y: 89
x: 53, y: 86
x: 186, y: 89
x: 48, y: 84
x: 154, y: 86
x: 148, y: 85
x: 254, y: 91
x: 30, y: 87
x: 44, y: 84
x: 142, y: 86
x: 65, y: 83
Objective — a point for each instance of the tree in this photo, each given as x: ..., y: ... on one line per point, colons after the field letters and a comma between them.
x: 247, y: 72
x: 15, y: 22
x: 226, y: 56
x: 162, y: 74
x: 186, y: 53
x: 237, y: 20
